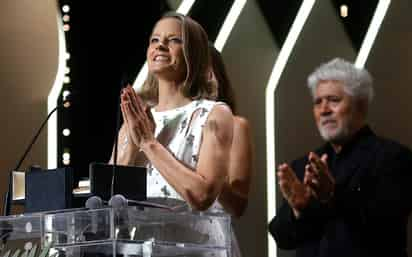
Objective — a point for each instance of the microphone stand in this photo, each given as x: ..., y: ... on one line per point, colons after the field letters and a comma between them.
x: 116, y: 140
x: 8, y: 196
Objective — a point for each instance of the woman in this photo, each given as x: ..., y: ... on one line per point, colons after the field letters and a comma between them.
x: 235, y: 192
x: 185, y: 139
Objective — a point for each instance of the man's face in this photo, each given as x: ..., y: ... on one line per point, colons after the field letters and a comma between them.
x: 335, y: 112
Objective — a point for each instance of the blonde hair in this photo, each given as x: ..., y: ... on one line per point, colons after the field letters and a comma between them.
x: 196, y: 54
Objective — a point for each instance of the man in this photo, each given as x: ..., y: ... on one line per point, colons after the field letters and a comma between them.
x: 352, y: 196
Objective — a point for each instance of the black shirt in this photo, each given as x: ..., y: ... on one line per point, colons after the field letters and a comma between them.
x: 369, y: 212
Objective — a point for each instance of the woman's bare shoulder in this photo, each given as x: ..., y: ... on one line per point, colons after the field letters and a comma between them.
x: 241, y: 125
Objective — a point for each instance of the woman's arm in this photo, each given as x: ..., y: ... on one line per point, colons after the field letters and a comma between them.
x: 127, y: 152
x: 235, y: 192
x: 199, y: 188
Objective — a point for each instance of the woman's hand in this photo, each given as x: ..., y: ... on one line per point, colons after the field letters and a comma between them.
x: 139, y: 122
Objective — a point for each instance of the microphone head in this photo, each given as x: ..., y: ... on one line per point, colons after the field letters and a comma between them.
x: 94, y: 202
x: 118, y: 201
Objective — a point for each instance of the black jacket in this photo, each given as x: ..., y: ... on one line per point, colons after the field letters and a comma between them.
x: 369, y: 212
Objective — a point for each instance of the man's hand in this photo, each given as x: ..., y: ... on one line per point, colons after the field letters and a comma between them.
x: 319, y: 178
x: 293, y: 190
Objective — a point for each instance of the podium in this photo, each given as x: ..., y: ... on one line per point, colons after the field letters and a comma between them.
x: 131, y: 231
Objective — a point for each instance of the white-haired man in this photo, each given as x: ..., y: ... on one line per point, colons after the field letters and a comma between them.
x: 352, y: 196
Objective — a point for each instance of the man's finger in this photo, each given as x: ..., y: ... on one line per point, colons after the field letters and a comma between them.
x: 308, y: 175
x: 324, y: 158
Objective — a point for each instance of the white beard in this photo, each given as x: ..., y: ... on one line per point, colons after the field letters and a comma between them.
x: 336, y: 135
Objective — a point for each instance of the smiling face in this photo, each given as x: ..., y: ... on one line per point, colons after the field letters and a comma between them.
x: 336, y: 113
x: 165, y: 52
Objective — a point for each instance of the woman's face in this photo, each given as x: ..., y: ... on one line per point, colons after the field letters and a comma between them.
x: 165, y: 52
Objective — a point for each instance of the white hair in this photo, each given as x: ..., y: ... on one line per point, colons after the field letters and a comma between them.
x: 356, y: 82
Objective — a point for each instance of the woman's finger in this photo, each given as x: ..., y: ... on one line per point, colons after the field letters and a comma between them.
x: 126, y: 120
x: 127, y: 98
x: 145, y: 110
x: 135, y: 128
x: 134, y: 113
x: 134, y: 98
x: 132, y: 116
x: 124, y: 113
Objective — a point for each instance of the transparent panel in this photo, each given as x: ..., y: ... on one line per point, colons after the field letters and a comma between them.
x: 133, y: 248
x: 108, y: 231
x: 78, y: 226
x: 19, y: 232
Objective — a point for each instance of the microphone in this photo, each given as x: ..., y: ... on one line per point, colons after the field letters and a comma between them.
x: 95, y: 202
x: 119, y: 204
x: 7, y: 199
x: 119, y: 201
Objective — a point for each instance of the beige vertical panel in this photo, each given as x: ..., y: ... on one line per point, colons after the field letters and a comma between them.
x: 28, y: 65
x: 390, y: 63
x: 249, y: 55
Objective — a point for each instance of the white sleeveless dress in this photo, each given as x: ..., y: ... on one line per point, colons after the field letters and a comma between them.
x: 180, y: 131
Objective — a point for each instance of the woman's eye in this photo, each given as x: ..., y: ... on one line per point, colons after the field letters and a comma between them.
x: 176, y: 40
x: 154, y: 40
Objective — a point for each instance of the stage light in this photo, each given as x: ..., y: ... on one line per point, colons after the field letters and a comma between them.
x: 66, y: 27
x: 344, y: 11
x: 65, y: 94
x: 66, y: 162
x: 67, y: 56
x: 66, y: 18
x: 66, y: 156
x: 66, y: 79
x: 66, y: 132
x: 66, y: 8
x: 67, y: 70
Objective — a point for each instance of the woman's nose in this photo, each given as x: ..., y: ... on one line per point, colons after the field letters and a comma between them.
x: 161, y: 45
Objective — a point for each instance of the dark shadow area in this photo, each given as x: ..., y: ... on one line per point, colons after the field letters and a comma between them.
x: 107, y: 44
